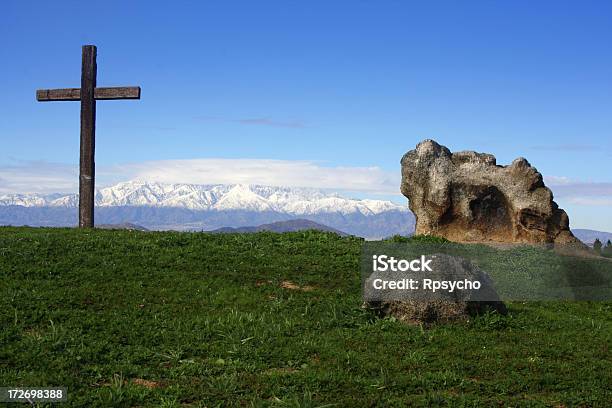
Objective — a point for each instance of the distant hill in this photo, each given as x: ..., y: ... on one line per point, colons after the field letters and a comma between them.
x: 124, y: 225
x: 588, y: 236
x: 282, y: 226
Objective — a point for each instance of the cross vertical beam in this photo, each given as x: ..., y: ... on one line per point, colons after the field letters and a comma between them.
x: 88, y: 138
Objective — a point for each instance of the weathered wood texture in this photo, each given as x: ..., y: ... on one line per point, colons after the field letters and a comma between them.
x: 74, y: 94
x: 88, y: 135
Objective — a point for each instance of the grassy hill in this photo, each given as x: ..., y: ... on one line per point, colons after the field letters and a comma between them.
x: 130, y: 318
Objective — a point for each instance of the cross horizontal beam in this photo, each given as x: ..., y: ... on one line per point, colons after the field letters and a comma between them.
x: 74, y: 94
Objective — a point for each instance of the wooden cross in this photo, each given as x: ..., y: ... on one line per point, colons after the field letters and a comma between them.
x: 88, y: 93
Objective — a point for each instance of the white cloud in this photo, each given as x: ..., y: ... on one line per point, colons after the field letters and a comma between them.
x: 271, y: 122
x: 566, y: 187
x: 38, y: 177
x: 42, y: 177
x: 259, y: 121
x: 266, y: 172
x: 591, y: 201
x: 556, y: 180
x: 566, y: 147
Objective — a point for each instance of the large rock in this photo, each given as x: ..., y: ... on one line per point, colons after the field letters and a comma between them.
x: 467, y: 197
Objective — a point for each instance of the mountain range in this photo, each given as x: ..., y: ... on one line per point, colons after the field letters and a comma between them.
x: 223, y: 207
x: 159, y: 206
x: 589, y: 236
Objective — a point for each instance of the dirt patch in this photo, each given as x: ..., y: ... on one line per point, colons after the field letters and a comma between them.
x: 33, y: 332
x: 147, y: 383
x: 293, y: 286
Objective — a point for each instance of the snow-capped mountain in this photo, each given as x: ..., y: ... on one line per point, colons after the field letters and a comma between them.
x: 208, y: 207
x: 220, y: 197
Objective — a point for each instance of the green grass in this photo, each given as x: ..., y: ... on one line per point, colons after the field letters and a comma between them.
x: 206, y: 320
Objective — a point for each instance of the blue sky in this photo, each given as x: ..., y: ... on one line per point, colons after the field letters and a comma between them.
x: 335, y: 89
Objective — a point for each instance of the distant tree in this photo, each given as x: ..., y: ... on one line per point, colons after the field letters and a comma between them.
x: 597, y: 245
x: 607, y: 250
